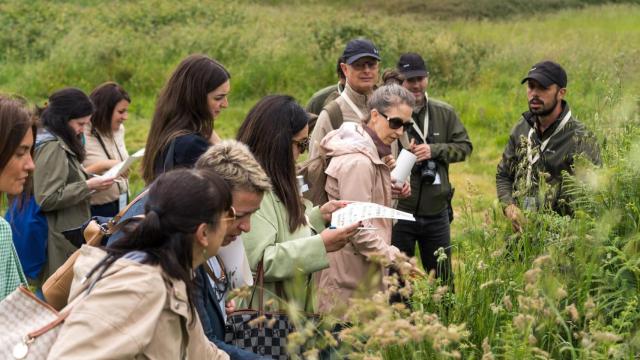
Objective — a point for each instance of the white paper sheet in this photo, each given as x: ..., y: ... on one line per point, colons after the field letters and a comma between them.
x: 118, y: 169
x: 404, y: 164
x: 236, y: 263
x: 357, y: 211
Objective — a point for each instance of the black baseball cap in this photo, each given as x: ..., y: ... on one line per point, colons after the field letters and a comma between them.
x: 412, y: 65
x: 547, y: 73
x: 359, y: 48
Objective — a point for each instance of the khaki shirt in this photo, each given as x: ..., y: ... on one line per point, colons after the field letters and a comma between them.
x: 95, y: 153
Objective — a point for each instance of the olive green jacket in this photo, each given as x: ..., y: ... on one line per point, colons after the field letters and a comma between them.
x: 572, y: 140
x: 322, y: 97
x: 288, y: 257
x: 449, y: 143
x: 60, y: 188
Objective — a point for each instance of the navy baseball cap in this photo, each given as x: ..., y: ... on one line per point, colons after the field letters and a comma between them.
x: 412, y: 65
x: 547, y: 73
x: 359, y: 48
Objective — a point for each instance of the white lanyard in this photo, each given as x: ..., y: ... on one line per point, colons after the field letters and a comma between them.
x: 425, y: 121
x: 351, y: 104
x: 533, y: 159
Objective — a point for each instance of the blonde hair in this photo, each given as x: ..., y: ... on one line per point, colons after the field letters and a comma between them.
x: 235, y: 163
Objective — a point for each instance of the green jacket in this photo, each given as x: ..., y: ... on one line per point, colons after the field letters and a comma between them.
x: 322, y: 97
x: 288, y: 257
x: 449, y: 143
x: 573, y: 139
x: 60, y: 188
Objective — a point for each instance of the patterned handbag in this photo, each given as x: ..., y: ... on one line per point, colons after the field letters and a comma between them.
x: 29, y: 327
x: 266, y: 337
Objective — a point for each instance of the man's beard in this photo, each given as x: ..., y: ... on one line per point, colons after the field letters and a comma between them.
x: 544, y: 111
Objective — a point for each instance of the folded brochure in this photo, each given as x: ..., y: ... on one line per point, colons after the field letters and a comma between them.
x: 357, y: 211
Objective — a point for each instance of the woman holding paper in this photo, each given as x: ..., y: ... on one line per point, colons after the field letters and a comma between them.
x: 359, y: 149
x: 105, y: 147
x: 182, y: 125
x: 61, y: 186
x: 287, y: 234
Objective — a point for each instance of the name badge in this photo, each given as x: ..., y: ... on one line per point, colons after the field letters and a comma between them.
x: 122, y: 201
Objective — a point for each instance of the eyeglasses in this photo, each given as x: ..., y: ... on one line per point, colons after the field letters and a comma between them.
x: 396, y: 122
x: 303, y: 144
x: 371, y: 64
x: 231, y: 215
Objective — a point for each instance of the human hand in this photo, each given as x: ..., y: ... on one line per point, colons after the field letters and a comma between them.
x: 336, y: 239
x: 400, y: 191
x: 390, y: 161
x: 513, y: 213
x: 421, y: 151
x: 99, y: 183
x: 330, y: 206
x: 230, y: 306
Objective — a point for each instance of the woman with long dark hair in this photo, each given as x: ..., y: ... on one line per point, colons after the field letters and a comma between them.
x: 142, y: 305
x: 182, y: 124
x: 17, y: 135
x: 61, y: 187
x: 105, y: 147
x: 287, y: 235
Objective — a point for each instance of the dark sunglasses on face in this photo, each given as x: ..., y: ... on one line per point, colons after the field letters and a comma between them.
x: 396, y: 122
x: 303, y: 144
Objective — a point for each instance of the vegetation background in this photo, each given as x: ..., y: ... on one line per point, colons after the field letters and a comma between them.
x: 570, y: 289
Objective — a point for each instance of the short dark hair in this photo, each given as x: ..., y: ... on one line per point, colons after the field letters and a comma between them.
x: 105, y: 97
x: 339, y: 71
x: 182, y: 107
x: 179, y: 201
x: 65, y: 105
x: 268, y: 130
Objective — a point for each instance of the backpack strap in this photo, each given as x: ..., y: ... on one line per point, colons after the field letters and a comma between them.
x: 335, y: 114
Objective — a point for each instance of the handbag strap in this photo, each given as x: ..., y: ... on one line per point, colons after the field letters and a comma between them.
x: 116, y: 219
x: 102, y: 266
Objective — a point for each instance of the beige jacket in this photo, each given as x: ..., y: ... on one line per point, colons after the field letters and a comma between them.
x: 356, y: 173
x: 95, y: 152
x: 134, y: 312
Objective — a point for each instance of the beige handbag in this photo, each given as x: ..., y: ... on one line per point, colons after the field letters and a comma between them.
x: 29, y: 327
x: 56, y: 288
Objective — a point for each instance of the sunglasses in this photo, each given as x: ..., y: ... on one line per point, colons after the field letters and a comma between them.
x: 396, y: 122
x: 302, y: 145
x: 359, y: 66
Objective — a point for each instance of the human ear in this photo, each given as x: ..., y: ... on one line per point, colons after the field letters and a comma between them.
x: 200, y: 235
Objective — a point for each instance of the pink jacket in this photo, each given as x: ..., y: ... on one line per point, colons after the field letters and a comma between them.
x: 355, y: 173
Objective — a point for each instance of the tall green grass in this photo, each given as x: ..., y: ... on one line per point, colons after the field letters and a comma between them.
x: 579, y: 299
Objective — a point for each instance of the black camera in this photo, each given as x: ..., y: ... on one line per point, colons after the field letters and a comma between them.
x: 428, y: 169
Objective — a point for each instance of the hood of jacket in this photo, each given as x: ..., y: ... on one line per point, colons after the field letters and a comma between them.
x: 350, y: 138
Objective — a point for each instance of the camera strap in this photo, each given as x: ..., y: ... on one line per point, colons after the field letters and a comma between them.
x: 534, y: 159
x: 425, y: 121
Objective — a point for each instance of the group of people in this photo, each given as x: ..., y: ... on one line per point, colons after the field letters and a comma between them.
x: 162, y: 289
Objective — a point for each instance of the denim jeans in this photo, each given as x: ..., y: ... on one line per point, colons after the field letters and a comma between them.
x: 431, y: 233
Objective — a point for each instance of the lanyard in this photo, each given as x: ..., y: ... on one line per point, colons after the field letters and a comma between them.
x: 533, y: 159
x: 351, y: 104
x: 425, y: 121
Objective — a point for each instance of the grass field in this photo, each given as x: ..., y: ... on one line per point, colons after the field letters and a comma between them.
x: 570, y: 291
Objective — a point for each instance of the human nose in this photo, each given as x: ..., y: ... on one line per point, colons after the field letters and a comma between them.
x: 29, y: 164
x: 225, y: 102
x: 245, y: 225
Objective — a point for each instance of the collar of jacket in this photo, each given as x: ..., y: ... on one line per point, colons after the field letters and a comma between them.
x: 358, y: 99
x: 533, y: 120
x: 45, y: 136
x: 383, y: 149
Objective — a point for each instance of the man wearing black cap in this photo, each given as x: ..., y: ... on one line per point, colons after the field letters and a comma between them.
x: 360, y: 66
x: 544, y: 141
x: 438, y: 138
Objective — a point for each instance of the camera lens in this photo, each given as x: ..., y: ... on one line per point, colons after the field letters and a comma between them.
x: 429, y: 171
